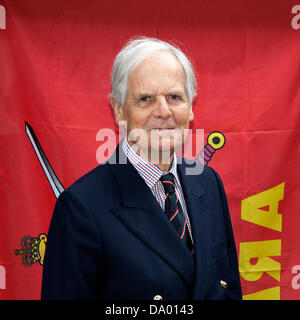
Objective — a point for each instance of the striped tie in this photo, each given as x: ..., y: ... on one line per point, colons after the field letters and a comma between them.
x: 174, y: 210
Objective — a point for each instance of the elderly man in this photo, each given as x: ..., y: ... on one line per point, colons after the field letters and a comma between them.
x: 144, y: 229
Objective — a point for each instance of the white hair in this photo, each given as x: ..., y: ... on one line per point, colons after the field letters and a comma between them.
x: 133, y: 53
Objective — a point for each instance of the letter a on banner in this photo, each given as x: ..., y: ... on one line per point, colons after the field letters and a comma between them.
x: 262, y: 250
x: 251, y: 208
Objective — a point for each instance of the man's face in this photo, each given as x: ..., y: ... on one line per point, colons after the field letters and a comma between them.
x: 157, y: 109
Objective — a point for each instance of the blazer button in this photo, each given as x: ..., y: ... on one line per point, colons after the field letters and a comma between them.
x: 157, y: 297
x: 224, y: 284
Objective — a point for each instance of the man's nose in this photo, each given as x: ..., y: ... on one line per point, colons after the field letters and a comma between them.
x: 162, y: 108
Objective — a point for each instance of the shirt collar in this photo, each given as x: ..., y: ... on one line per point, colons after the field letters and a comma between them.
x: 149, y: 172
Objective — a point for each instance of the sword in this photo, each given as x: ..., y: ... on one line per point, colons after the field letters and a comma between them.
x: 54, y: 182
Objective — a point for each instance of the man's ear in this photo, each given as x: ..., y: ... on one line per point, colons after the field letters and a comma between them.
x: 191, y: 114
x: 118, y: 111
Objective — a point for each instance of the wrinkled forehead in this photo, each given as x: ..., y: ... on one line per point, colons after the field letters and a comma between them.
x: 159, y: 71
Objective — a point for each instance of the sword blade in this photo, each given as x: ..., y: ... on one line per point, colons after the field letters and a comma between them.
x: 54, y: 182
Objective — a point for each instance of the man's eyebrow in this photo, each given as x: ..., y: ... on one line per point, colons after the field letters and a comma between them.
x: 151, y: 94
x: 143, y: 94
x: 177, y: 92
x: 169, y: 92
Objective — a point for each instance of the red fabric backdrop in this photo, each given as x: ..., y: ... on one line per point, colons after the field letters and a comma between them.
x: 55, y: 63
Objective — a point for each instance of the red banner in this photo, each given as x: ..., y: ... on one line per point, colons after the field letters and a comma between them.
x: 55, y: 64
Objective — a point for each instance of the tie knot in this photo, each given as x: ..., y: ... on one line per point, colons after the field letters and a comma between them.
x: 168, y: 183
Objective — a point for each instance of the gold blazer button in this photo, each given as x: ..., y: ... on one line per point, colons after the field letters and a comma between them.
x: 224, y: 284
x: 157, y: 297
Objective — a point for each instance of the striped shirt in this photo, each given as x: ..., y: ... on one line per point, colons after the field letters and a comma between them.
x: 152, y: 174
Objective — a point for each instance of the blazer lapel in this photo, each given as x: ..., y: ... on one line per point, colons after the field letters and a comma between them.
x: 141, y: 213
x: 198, y: 212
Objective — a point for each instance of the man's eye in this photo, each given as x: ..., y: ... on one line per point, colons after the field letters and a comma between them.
x: 174, y: 97
x: 144, y: 99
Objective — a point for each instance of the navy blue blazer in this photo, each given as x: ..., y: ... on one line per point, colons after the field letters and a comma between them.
x: 109, y: 239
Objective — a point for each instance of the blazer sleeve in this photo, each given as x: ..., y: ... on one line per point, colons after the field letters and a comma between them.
x: 236, y: 291
x: 72, y: 265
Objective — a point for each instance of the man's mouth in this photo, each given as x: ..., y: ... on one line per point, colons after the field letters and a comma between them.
x: 164, y: 132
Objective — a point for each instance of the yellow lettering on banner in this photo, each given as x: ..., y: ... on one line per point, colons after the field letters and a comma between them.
x: 262, y: 251
x: 267, y: 294
x: 271, y: 219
